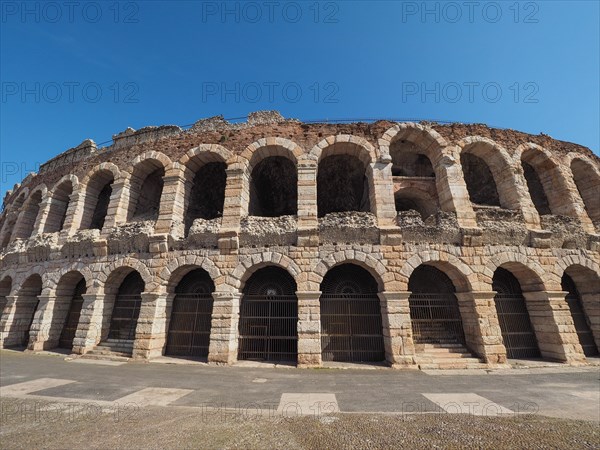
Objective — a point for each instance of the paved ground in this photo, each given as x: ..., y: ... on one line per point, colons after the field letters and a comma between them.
x: 562, y: 392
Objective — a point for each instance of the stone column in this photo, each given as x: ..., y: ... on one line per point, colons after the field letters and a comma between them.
x: 309, y: 329
x: 237, y: 197
x: 382, y: 193
x: 10, y: 328
x: 89, y: 329
x: 481, y: 326
x: 41, y: 326
x: 43, y: 214
x: 553, y: 325
x: 151, y: 331
x: 308, y: 222
x: 397, y: 329
x: 117, y: 209
x: 591, y: 308
x: 224, y: 328
x: 452, y: 192
x: 75, y: 211
x: 172, y: 203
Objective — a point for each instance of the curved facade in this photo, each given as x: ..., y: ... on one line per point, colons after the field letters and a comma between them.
x: 283, y: 241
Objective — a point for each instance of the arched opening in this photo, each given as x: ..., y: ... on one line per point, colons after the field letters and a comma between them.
x: 5, y: 288
x: 588, y: 184
x: 408, y: 160
x: 579, y: 304
x: 26, y: 305
x: 351, y: 325
x: 146, y: 188
x: 342, y: 185
x: 59, y: 204
x: 434, y: 311
x: 268, y: 327
x: 479, y: 180
x: 536, y: 189
x: 274, y: 188
x: 10, y: 225
x: 515, y: 324
x: 28, y: 217
x: 207, y: 192
x: 97, y: 200
x: 191, y: 314
x: 126, y: 309
x: 415, y: 200
x: 67, y: 310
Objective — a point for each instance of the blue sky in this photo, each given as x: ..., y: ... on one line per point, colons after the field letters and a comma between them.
x: 92, y: 69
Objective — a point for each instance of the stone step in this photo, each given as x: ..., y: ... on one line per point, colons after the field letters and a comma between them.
x: 107, y: 357
x: 446, y: 356
x: 453, y: 365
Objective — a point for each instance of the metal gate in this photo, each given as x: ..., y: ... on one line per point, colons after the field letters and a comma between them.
x: 268, y: 325
x: 127, y: 308
x: 70, y: 328
x: 517, y: 333
x: 434, y: 312
x: 580, y: 319
x: 190, y: 323
x: 351, y: 328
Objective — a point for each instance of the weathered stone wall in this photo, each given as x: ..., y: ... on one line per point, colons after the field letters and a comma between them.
x: 464, y: 240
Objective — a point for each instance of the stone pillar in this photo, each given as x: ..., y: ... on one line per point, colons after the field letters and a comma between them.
x: 172, y: 203
x: 397, y: 329
x: 309, y: 329
x: 117, y: 209
x: 224, y: 328
x: 41, y: 326
x: 307, y: 195
x: 151, y: 331
x: 382, y: 200
x: 16, y: 320
x: 43, y: 214
x: 452, y: 192
x: 89, y: 329
x: 237, y: 197
x: 553, y: 325
x: 75, y: 211
x: 591, y: 308
x: 481, y: 326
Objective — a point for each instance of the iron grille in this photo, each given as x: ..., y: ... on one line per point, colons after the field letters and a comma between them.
x: 268, y: 328
x: 580, y: 319
x: 351, y: 326
x: 189, y: 327
x: 436, y: 319
x: 515, y: 324
x: 268, y: 325
x: 70, y: 328
x: 125, y: 316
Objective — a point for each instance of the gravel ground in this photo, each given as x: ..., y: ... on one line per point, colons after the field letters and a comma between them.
x: 40, y: 424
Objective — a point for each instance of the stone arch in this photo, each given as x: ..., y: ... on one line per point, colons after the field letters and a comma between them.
x: 112, y: 274
x: 546, y: 184
x: 576, y: 261
x: 53, y: 278
x: 6, y: 287
x: 586, y: 177
x: 499, y: 163
x: 177, y: 268
x: 60, y: 199
x: 271, y: 146
x: 205, y: 153
x: 345, y: 144
x: 29, y: 218
x: 250, y: 264
x: 146, y: 175
x: 530, y: 274
x: 96, y: 191
x: 200, y: 168
x: 461, y: 275
x: 425, y: 138
x: 357, y: 257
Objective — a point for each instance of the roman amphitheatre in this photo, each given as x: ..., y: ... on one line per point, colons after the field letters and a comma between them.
x: 412, y: 245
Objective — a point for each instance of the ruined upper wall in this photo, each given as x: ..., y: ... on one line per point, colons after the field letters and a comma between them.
x: 174, y: 142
